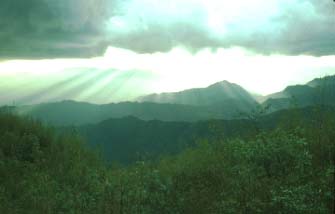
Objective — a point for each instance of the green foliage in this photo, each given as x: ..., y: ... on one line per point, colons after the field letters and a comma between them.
x: 273, y: 173
x: 289, y: 169
x: 44, y: 173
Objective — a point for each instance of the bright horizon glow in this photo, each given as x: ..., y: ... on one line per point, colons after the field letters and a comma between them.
x: 140, y: 74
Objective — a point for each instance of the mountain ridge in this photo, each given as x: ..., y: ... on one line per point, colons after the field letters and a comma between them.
x: 210, y: 95
x: 126, y: 139
x: 79, y: 113
x: 232, y: 106
x: 319, y: 91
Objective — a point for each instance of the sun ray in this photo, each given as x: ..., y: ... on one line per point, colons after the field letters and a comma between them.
x: 98, y: 86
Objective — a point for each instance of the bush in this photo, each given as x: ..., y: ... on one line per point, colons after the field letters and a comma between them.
x: 280, y: 171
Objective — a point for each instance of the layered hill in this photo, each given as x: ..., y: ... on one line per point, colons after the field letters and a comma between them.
x: 129, y: 139
x: 319, y: 91
x: 224, y: 94
x: 78, y: 113
x: 222, y: 100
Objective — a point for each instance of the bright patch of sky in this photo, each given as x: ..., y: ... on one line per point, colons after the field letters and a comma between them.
x: 139, y: 74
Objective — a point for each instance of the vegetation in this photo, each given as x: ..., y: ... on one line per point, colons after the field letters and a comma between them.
x: 44, y: 173
x: 129, y: 139
x: 289, y: 169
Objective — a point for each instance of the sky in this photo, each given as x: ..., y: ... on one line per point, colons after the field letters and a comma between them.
x: 105, y: 51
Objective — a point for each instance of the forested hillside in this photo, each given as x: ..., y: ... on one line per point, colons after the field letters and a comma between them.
x: 129, y: 139
x: 41, y: 172
x: 287, y: 170
x: 320, y: 91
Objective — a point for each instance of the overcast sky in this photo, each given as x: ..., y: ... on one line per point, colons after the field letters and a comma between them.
x: 114, y: 50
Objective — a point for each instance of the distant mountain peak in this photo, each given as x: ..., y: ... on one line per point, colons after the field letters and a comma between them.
x: 222, y: 83
x: 219, y: 93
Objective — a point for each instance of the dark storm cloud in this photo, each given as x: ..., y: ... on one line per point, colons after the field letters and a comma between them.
x: 53, y: 28
x: 82, y: 28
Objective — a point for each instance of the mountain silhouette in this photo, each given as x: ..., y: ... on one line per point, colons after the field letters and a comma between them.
x: 320, y: 91
x: 214, y: 94
x: 222, y: 100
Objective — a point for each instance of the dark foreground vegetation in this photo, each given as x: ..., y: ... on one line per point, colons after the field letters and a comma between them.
x: 288, y: 169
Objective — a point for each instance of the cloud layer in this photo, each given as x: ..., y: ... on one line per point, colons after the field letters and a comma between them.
x: 85, y: 28
x: 52, y: 29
